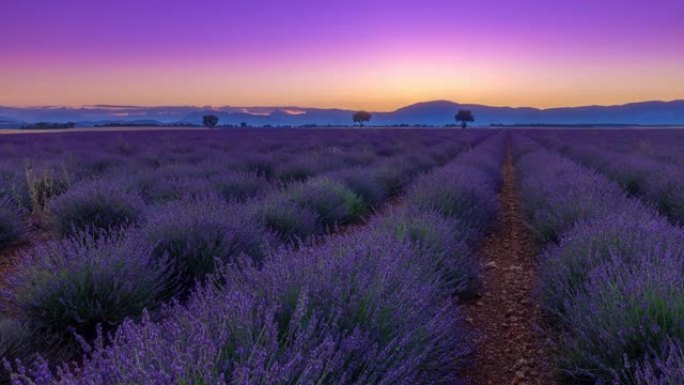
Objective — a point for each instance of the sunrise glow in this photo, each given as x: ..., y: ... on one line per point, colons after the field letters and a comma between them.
x: 355, y: 54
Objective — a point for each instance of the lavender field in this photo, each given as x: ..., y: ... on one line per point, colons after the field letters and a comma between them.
x: 350, y: 256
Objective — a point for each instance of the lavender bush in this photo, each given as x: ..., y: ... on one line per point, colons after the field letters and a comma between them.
x: 364, y: 182
x: 666, y: 368
x: 161, y: 186
x: 464, y: 193
x: 359, y: 156
x: 336, y: 339
x: 389, y: 175
x: 659, y: 183
x: 95, y: 205
x: 372, y: 307
x: 303, y: 167
x: 614, y: 282
x: 258, y: 164
x: 15, y: 344
x: 65, y: 289
x: 380, y: 289
x: 288, y: 220
x: 99, y: 163
x: 10, y: 223
x: 558, y: 193
x: 629, y: 312
x: 195, y: 235
x: 441, y: 241
x: 356, y: 311
x: 234, y: 186
x: 333, y: 202
x: 629, y: 235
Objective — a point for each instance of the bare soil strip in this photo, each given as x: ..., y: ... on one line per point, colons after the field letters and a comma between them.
x: 510, y: 348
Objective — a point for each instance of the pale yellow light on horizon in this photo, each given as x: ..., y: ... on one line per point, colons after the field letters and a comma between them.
x: 379, y: 84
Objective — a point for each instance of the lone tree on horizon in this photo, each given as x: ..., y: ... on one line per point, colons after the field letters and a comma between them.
x: 464, y: 116
x: 361, y: 116
x: 210, y: 120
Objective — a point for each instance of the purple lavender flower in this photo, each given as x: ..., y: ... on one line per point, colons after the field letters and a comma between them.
x: 358, y: 310
x: 665, y: 368
x: 235, y: 186
x: 627, y: 312
x: 288, y: 220
x: 68, y: 288
x: 333, y: 202
x: 632, y: 234
x: 195, y: 235
x: 614, y: 283
x: 460, y: 192
x: 95, y: 205
x: 441, y: 241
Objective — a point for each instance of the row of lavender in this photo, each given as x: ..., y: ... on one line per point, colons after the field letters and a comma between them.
x: 663, y: 145
x: 658, y: 182
x: 371, y: 307
x: 154, y: 168
x: 611, y: 273
x: 70, y: 287
x: 220, y: 230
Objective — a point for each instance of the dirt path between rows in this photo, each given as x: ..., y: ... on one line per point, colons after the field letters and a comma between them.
x: 510, y: 348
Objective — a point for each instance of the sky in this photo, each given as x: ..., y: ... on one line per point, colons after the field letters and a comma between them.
x: 370, y: 54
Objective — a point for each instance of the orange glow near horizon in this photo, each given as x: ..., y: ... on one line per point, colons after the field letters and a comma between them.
x: 380, y: 85
x: 375, y: 55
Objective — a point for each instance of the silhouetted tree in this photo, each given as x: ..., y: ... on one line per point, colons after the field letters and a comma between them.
x: 464, y: 116
x: 243, y: 124
x: 210, y: 120
x: 361, y: 116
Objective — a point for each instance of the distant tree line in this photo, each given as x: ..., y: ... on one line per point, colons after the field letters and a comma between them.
x: 211, y: 120
x: 48, y: 126
x: 463, y: 116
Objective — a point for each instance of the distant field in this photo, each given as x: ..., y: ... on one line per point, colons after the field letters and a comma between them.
x: 347, y: 256
x: 95, y: 129
x: 173, y: 128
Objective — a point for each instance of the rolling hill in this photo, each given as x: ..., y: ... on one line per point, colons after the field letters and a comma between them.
x: 436, y: 113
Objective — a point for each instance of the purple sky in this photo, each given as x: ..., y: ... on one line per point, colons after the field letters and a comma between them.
x: 355, y: 54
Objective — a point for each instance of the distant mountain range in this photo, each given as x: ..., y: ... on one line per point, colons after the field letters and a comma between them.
x: 436, y: 113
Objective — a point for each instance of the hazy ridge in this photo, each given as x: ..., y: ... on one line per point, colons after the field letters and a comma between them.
x: 437, y: 113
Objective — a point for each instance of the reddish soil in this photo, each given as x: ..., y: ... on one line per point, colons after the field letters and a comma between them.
x: 510, y: 347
